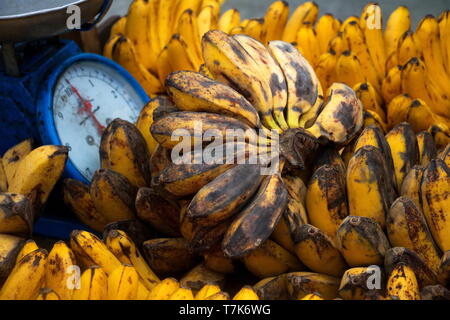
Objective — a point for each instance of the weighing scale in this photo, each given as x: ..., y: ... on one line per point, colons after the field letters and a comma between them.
x: 54, y: 93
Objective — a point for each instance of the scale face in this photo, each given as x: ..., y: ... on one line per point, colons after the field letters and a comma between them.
x: 83, y: 96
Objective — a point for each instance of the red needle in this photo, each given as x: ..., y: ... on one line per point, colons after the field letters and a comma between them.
x: 87, y: 107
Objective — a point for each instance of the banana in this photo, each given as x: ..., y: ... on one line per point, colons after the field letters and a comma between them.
x: 178, y: 124
x: 142, y: 293
x: 403, y: 144
x: 309, y: 117
x: 47, y: 294
x: 38, y: 172
x: 272, y: 70
x: 413, y: 81
x: 371, y: 23
x: 308, y: 43
x: 427, y: 148
x: 355, y: 284
x: 399, y: 255
x: 361, y: 241
x: 257, y: 220
x: 159, y: 160
x: 273, y: 288
x: 169, y: 255
x: 397, y: 109
x: 229, y: 20
x: 118, y: 26
x: 93, y: 285
x: 391, y: 86
x: 444, y: 24
x: 29, y: 246
x: 3, y: 179
x: 165, y: 24
x: 406, y: 227
x: 160, y: 213
x: 209, y: 208
x: 246, y: 293
x: 136, y: 27
x: 397, y: 24
x: 270, y: 259
x: 254, y: 29
x: 407, y: 48
x: 275, y: 20
x: 302, y: 83
x: 206, y: 291
x: 306, y: 12
x: 350, y: 20
x: 26, y: 278
x: 145, y: 120
x: 435, y: 182
x: 191, y: 91
x: 182, y: 293
x: 188, y: 30
x: 441, y: 134
x: 13, y: 156
x: 326, y: 199
x: 402, y: 282
x: 207, y: 20
x: 349, y: 69
x: 164, y: 289
x: 163, y: 67
x: 312, y: 296
x: 338, y: 44
x: 177, y: 50
x: 420, y: 116
x: 199, y: 276
x: 216, y: 261
x: 123, y: 283
x: 329, y: 155
x: 124, y: 150
x: 325, y: 68
x: 317, y: 251
x: 89, y: 250
x: 58, y: 273
x: 370, y: 98
x: 113, y: 195
x: 10, y: 249
x: 16, y: 214
x: 444, y: 269
x: 296, y: 188
x: 299, y: 284
x: 411, y: 185
x: 436, y: 292
x: 372, y: 118
x: 126, y: 251
x: 219, y: 296
x: 125, y: 54
x: 443, y: 155
x: 109, y: 45
x: 228, y: 61
x: 327, y: 28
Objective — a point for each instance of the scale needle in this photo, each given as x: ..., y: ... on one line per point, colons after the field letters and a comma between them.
x: 87, y: 107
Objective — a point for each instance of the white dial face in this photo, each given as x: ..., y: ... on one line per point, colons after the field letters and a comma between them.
x: 87, y: 97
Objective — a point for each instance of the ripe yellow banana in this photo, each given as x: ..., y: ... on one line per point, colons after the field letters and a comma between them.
x: 349, y: 20
x: 411, y: 185
x: 126, y: 251
x: 3, y: 179
x: 206, y: 291
x: 444, y: 25
x: 26, y: 278
x: 372, y: 118
x: 29, y: 246
x: 207, y: 19
x: 338, y: 44
x: 420, y: 116
x: 16, y: 214
x: 391, y: 85
x: 299, y: 284
x: 325, y: 68
x: 361, y: 241
x: 164, y: 289
x: 275, y: 20
x: 407, y: 48
x: 13, y: 156
x: 182, y: 293
x: 90, y: 251
x: 188, y: 30
x: 427, y: 148
x: 397, y: 109
x: 229, y: 20
x: 10, y: 248
x: 308, y: 43
x: 246, y: 293
x: 326, y: 28
x: 93, y: 285
x: 397, y: 24
x: 441, y: 134
x: 123, y: 283
x: 113, y: 195
x: 414, y: 78
x: 177, y: 50
x: 435, y: 182
x: 349, y: 69
x: 38, y: 172
x: 370, y: 98
x: 306, y: 12
x: 402, y: 282
x: 163, y: 67
x: 47, y: 294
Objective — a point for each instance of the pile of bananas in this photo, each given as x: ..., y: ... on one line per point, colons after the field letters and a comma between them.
x: 92, y: 269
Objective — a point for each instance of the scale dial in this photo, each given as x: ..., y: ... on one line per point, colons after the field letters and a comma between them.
x: 87, y: 96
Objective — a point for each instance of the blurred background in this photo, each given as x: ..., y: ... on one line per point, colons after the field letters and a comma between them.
x: 340, y: 8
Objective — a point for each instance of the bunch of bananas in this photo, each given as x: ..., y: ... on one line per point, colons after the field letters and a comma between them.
x: 27, y: 176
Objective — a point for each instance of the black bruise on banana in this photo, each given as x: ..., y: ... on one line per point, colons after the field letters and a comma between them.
x: 329, y: 155
x: 298, y: 147
x: 332, y: 181
x: 274, y: 288
x: 207, y: 239
x: 15, y: 206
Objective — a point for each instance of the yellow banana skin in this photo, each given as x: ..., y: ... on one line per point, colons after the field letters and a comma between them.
x: 228, y: 61
x: 427, y: 148
x: 397, y: 109
x: 91, y: 251
x: 402, y: 283
x: 354, y: 284
x: 325, y: 68
x: 372, y: 118
x: 123, y: 283
x: 3, y: 179
x: 361, y: 241
x: 397, y: 24
x: 301, y: 81
x: 406, y: 227
x: 317, y: 251
x: 435, y: 182
x: 370, y: 99
x: 207, y: 291
x: 26, y: 278
x: 246, y: 293
x: 113, y: 195
x: 441, y: 134
x: 13, y: 156
x: 29, y: 246
x: 299, y: 284
x: 270, y: 259
x: 326, y: 199
x: 78, y: 199
x: 164, y: 289
x: 47, y: 294
x: 263, y: 211
x: 326, y: 28
x: 229, y: 20
x: 10, y: 247
x: 38, y: 172
x: 275, y: 20
x: 124, y: 150
x: 270, y: 69
x: 126, y: 251
x: 411, y: 185
x: 182, y: 293
x: 191, y: 91
x: 391, y: 85
x: 330, y: 123
x: 16, y: 214
x: 58, y: 275
x: 307, y: 43
x: 208, y: 208
x: 93, y: 285
x: 306, y: 12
